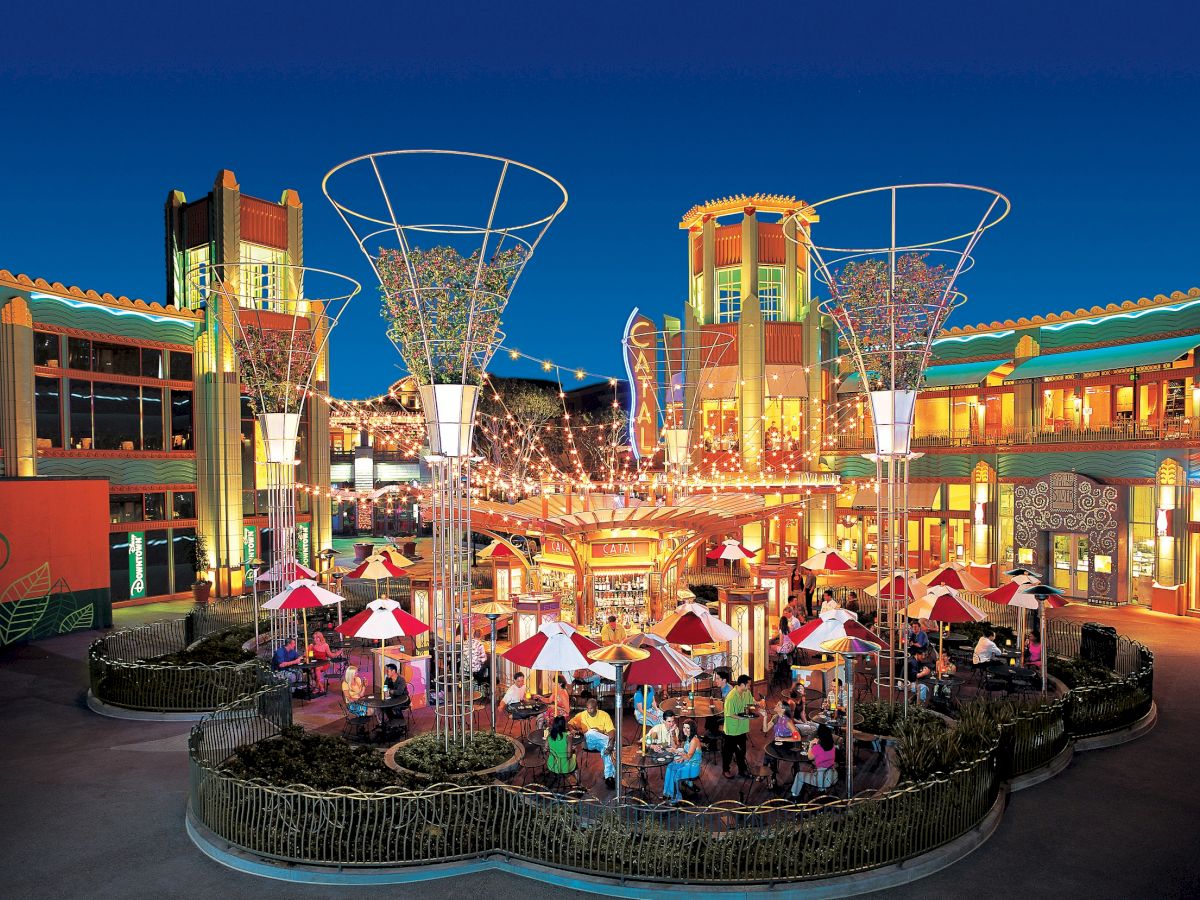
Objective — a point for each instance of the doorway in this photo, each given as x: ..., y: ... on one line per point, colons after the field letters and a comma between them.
x: 1069, y: 560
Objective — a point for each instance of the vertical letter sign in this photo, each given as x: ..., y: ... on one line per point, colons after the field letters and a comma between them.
x: 249, y: 547
x: 137, y: 564
x: 304, y: 543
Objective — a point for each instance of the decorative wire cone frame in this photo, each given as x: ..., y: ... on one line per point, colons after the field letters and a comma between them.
x: 277, y: 318
x: 675, y: 370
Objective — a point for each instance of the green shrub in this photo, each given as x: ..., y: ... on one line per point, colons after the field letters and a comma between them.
x: 436, y: 762
x: 319, y: 761
x: 881, y: 717
x: 1079, y: 672
x: 224, y: 646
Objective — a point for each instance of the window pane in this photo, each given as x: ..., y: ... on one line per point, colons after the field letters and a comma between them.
x: 152, y: 419
x: 181, y: 365
x: 118, y: 566
x: 184, y: 504
x: 124, y: 508
x: 117, y: 416
x: 49, y: 411
x: 45, y: 348
x: 155, y: 506
x: 181, y: 419
x: 152, y: 363
x: 79, y: 354
x: 183, y: 542
x: 81, y: 414
x: 158, y: 564
x: 117, y: 359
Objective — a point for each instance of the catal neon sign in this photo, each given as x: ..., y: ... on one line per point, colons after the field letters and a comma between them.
x: 612, y: 549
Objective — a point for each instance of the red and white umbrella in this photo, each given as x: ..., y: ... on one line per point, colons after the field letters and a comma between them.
x: 836, y: 623
x: 731, y: 550
x: 827, y: 561
x: 382, y: 620
x: 376, y: 568
x: 906, y: 589
x: 294, y: 572
x: 557, y: 647
x: 942, y: 604
x: 692, y: 623
x: 303, y: 594
x: 664, y: 665
x: 395, y: 557
x: 952, y: 575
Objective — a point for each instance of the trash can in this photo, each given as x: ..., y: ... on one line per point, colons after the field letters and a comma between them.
x: 362, y: 550
x: 410, y: 549
x: 1098, y: 644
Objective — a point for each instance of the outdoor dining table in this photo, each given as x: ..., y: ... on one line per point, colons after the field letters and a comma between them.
x: 953, y: 637
x: 787, y: 750
x: 694, y: 708
x: 633, y: 755
x: 380, y: 704
x: 309, y: 669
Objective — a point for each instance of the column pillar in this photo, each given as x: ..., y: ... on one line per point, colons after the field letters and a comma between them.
x: 708, y: 287
x: 18, y: 424
x: 751, y: 349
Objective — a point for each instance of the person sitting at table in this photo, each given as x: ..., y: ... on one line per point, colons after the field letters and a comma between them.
x: 828, y: 603
x: 613, y: 632
x: 838, y: 696
x: 321, y: 651
x: 686, y: 765
x: 824, y: 757
x: 985, y: 649
x: 596, y: 726
x: 945, y: 666
x: 794, y: 623
x: 397, y: 687
x: 1033, y: 650
x: 354, y: 691
x: 920, y: 666
x: 559, y: 759
x: 917, y: 637
x: 664, y: 734
x: 852, y: 603
x: 645, y: 706
x: 780, y: 722
x: 285, y: 660
x: 558, y: 702
x: 515, y: 695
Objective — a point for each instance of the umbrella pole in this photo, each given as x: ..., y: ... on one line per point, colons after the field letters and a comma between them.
x: 304, y: 616
x: 381, y: 642
x: 617, y: 749
x: 1021, y: 635
x: 254, y: 587
x: 492, y: 670
x: 645, y: 695
x: 849, y: 727
x: 1042, y: 630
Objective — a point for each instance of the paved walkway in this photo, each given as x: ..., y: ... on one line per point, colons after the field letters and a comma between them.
x: 93, y: 807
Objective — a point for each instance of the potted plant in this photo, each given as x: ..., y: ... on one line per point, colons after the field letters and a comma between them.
x: 202, y: 588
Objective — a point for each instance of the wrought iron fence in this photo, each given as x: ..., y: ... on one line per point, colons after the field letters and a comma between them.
x: 724, y: 843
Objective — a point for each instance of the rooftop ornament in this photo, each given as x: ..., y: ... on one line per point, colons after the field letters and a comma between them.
x: 275, y: 319
x: 890, y: 291
x: 448, y: 234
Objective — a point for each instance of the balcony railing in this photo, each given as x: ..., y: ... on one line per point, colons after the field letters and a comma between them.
x: 1177, y: 428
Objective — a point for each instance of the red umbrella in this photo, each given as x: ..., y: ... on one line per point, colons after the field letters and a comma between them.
x: 376, y: 567
x: 950, y: 577
x: 293, y: 572
x: 693, y: 624
x: 1007, y: 592
x: 731, y: 550
x: 556, y: 647
x: 827, y: 561
x: 382, y: 619
x: 811, y: 634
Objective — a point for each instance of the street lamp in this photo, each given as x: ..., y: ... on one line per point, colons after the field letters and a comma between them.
x: 618, y: 656
x: 848, y: 648
x: 493, y: 610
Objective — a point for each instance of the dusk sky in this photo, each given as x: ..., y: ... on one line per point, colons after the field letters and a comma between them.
x: 1085, y: 115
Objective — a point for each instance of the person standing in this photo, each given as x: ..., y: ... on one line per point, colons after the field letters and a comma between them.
x: 810, y: 589
x: 739, y: 707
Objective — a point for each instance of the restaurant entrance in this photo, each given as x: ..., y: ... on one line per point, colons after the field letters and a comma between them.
x: 1069, y: 555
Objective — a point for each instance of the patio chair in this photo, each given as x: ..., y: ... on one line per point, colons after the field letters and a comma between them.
x: 355, y: 727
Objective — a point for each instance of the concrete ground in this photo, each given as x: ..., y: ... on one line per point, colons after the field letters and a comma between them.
x: 93, y: 807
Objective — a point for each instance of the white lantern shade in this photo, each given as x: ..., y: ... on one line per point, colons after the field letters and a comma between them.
x: 676, y: 441
x: 892, y: 414
x: 449, y: 411
x: 279, y: 432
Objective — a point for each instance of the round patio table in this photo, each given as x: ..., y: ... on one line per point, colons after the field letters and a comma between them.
x: 786, y: 750
x: 632, y: 755
x: 380, y: 705
x: 698, y: 708
x: 309, y: 669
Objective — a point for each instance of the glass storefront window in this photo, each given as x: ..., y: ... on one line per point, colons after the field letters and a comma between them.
x: 152, y: 419
x: 959, y: 496
x: 79, y: 354
x: 181, y: 419
x: 729, y: 294
x: 183, y: 541
x: 125, y: 508
x: 181, y: 365
x: 158, y: 563
x: 48, y: 403
x: 116, y: 359
x: 720, y: 425
x: 1005, y: 524
x: 770, y: 292
x: 80, y: 419
x: 116, y: 416
x: 155, y: 506
x: 47, y: 350
x: 152, y: 363
x: 783, y: 423
x: 183, y: 505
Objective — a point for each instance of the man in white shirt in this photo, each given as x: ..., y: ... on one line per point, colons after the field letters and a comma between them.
x: 985, y: 649
x: 828, y: 604
x: 515, y: 693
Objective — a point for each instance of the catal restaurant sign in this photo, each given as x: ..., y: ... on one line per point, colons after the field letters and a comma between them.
x: 137, y: 564
x: 557, y: 547
x: 622, y: 550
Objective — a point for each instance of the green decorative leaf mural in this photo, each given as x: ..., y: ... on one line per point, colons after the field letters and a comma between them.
x: 19, y: 617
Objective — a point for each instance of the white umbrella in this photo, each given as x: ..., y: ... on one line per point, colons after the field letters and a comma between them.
x: 692, y: 623
x: 557, y: 647
x: 302, y: 588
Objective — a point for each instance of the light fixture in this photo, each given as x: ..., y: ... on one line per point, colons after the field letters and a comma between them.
x: 1160, y: 523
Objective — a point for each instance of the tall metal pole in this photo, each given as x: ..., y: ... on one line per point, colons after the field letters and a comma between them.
x: 849, y: 726
x: 492, y: 617
x: 620, y: 667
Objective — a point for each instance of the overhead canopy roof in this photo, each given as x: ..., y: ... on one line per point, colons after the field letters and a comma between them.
x: 1125, y: 356
x: 920, y: 496
x: 951, y: 375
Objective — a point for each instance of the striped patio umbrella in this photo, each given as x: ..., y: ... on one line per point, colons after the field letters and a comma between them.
x: 664, y: 665
x: 692, y: 623
x: 836, y: 623
x: 287, y: 574
x: 953, y: 576
x: 302, y: 594
x: 827, y: 561
x: 382, y: 620
x: 395, y: 557
x: 942, y: 604
x: 557, y: 647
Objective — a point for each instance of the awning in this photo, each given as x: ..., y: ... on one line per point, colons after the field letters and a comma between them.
x: 1100, y: 359
x: 920, y: 496
x: 950, y: 375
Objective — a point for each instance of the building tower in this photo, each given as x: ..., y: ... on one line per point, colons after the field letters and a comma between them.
x: 225, y: 227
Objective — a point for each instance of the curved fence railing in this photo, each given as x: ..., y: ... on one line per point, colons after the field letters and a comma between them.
x: 123, y: 671
x: 725, y: 843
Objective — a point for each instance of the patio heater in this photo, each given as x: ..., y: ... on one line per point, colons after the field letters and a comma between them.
x: 890, y: 294
x: 492, y: 611
x: 849, y: 648
x: 619, y: 656
x: 448, y: 234
x: 270, y: 325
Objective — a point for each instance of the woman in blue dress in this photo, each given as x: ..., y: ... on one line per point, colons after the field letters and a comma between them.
x: 686, y: 765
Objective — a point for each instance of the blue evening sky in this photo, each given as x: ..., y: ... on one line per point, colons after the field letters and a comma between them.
x: 1085, y: 114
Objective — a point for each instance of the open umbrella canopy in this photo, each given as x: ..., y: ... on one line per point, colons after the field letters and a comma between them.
x: 692, y: 623
x: 664, y: 665
x: 850, y: 646
x: 952, y: 576
x: 381, y: 620
x: 906, y: 589
x: 497, y: 549
x: 557, y: 647
x: 303, y: 593
x: 1011, y: 593
x: 1021, y: 570
x: 942, y: 604
x: 375, y: 568
x: 1050, y: 596
x: 731, y: 550
x: 291, y: 573
x: 828, y: 627
x: 827, y: 561
x: 395, y: 557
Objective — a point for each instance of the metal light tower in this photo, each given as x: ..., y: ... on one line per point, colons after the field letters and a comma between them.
x: 448, y: 234
x: 890, y: 293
